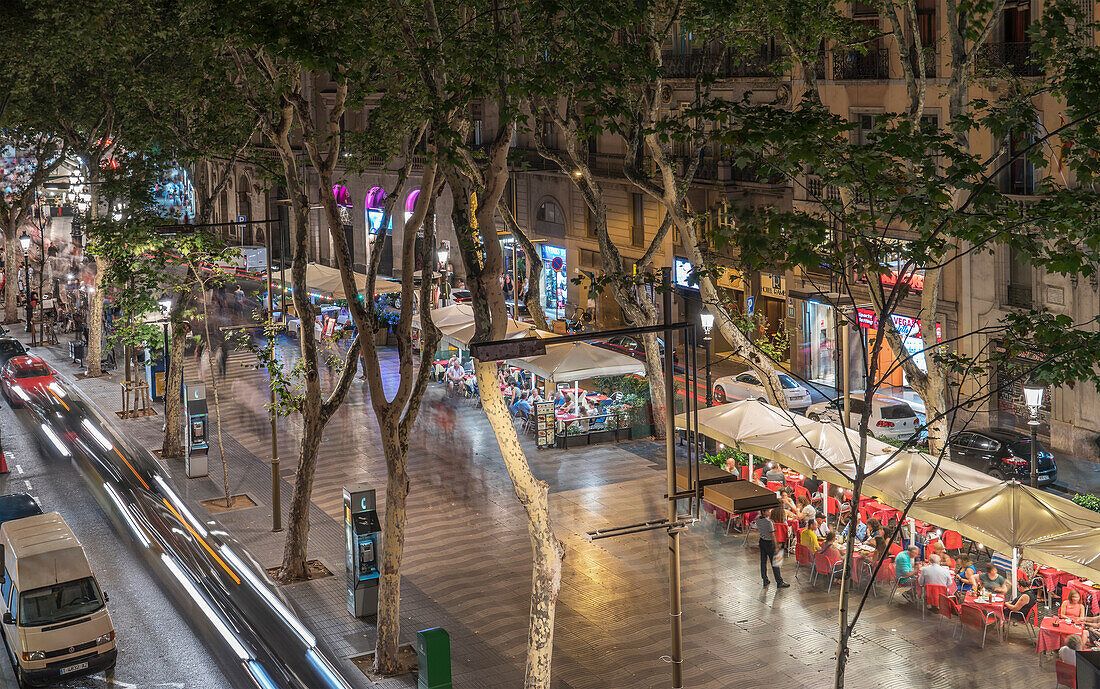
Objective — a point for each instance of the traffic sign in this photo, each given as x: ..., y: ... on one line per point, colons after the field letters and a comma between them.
x: 748, y: 304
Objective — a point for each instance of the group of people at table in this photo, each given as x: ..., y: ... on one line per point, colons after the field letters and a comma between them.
x: 520, y: 396
x: 919, y: 564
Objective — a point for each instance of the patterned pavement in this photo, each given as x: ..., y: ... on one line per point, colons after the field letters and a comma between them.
x: 467, y: 568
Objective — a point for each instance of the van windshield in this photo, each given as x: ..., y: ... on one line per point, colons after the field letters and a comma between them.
x: 59, y: 603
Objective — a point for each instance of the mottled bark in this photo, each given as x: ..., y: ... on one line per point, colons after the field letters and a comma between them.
x: 95, y: 320
x: 393, y: 548
x: 173, y: 404
x: 547, y: 550
x: 11, y: 277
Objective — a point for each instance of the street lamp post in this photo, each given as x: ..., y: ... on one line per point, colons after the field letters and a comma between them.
x: 25, y: 242
x: 276, y: 479
x: 442, y: 255
x: 1033, y: 396
x: 706, y: 319
x: 165, y: 306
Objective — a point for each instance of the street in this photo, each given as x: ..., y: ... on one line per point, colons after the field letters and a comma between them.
x: 156, y: 646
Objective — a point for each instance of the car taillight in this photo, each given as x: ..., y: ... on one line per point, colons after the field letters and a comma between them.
x: 885, y: 424
x: 1017, y: 461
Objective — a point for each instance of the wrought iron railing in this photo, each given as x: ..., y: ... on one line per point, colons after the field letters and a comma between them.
x: 762, y: 63
x: 1020, y: 59
x: 874, y: 64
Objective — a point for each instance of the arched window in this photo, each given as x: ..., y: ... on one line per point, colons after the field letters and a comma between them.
x: 410, y: 202
x: 373, y: 207
x: 343, y: 197
x: 244, y: 199
x: 550, y: 220
x: 224, y: 206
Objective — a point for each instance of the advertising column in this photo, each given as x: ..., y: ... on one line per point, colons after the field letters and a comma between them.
x: 555, y: 292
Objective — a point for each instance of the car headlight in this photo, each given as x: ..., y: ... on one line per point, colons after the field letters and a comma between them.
x: 34, y: 655
x: 106, y: 638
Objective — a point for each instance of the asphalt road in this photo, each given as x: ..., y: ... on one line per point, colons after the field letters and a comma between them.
x: 156, y: 646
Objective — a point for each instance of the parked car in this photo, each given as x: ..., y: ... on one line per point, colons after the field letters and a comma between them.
x: 748, y: 385
x: 890, y: 417
x: 24, y: 372
x: 10, y: 347
x: 461, y: 296
x: 1002, y: 454
x: 17, y: 506
x: 632, y: 346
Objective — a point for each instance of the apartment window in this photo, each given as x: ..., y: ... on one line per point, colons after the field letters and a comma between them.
x: 475, y: 133
x: 589, y: 222
x: 637, y: 220
x: 590, y: 259
x: 547, y: 133
x: 1019, y: 279
x: 865, y: 124
x: 1021, y: 171
x: 550, y: 221
x: 1017, y: 17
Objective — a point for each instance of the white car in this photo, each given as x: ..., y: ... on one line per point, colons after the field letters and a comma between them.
x: 890, y: 416
x: 747, y: 385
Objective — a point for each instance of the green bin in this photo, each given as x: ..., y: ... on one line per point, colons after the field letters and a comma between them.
x: 433, y: 658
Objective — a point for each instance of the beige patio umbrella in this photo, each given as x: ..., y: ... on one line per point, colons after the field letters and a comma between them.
x: 1077, y: 552
x: 460, y: 334
x: 897, y: 476
x: 448, y: 316
x: 1008, y: 516
x: 821, y: 449
x: 729, y: 423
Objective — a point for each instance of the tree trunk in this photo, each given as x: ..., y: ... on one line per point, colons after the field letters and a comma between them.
x: 297, y: 533
x: 655, y: 374
x: 11, y: 277
x: 547, y: 550
x: 95, y: 321
x: 214, y: 389
x: 386, y: 659
x: 173, y: 405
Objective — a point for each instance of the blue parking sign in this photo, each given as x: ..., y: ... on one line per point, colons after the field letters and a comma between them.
x: 748, y: 304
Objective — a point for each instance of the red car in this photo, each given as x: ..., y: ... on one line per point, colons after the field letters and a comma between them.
x: 21, y: 374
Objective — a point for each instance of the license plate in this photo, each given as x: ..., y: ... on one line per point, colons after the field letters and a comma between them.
x: 74, y: 668
x: 1043, y: 479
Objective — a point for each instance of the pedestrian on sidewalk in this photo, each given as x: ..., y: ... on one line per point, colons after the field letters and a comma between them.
x: 765, y: 526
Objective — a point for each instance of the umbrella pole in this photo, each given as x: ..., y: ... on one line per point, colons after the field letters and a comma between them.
x: 1015, y: 560
x: 912, y: 531
x: 825, y: 501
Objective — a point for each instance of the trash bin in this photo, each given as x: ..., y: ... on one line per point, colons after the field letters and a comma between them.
x: 433, y: 659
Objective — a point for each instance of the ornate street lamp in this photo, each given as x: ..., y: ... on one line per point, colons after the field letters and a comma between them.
x: 1033, y: 397
x: 706, y: 319
x: 25, y: 242
x: 442, y: 255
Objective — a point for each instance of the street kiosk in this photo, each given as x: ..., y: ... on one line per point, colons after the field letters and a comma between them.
x: 195, y: 406
x: 363, y: 536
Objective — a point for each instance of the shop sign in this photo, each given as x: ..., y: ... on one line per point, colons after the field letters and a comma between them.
x: 914, y: 280
x: 774, y: 286
x: 682, y: 273
x: 545, y: 421
x: 731, y: 278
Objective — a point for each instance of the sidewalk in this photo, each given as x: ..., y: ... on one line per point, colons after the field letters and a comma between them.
x: 321, y: 604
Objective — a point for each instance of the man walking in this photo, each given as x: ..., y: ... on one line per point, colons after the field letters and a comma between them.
x: 766, y: 528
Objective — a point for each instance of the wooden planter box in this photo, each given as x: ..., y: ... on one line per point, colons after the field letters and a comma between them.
x: 605, y: 436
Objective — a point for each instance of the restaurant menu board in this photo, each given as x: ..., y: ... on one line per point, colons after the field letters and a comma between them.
x: 544, y: 423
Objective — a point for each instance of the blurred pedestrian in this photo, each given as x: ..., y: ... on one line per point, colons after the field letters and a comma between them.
x: 770, y: 555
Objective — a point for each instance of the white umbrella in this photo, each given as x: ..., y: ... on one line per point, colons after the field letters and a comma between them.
x: 577, y: 361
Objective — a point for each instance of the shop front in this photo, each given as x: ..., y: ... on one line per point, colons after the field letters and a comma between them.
x: 816, y: 347
x: 910, y: 330
x: 1012, y: 410
x: 555, y: 288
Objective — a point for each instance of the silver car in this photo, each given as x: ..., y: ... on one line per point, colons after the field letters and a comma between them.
x: 747, y: 385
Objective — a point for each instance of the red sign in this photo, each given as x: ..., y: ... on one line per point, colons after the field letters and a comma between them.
x: 905, y: 325
x: 915, y: 281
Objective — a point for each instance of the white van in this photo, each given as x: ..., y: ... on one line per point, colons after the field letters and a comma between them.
x: 55, y: 617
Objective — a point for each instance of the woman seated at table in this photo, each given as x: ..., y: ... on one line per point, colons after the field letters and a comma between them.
x: 806, y: 511
x: 874, y: 528
x: 992, y: 580
x: 1072, y: 608
x: 790, y: 509
x: 1024, y: 602
x: 880, y: 548
x: 570, y: 406
x: 966, y: 578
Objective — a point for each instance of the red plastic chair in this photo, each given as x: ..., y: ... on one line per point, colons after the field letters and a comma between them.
x: 799, y: 490
x: 827, y: 567
x: 974, y: 617
x: 887, y: 572
x: 952, y: 540
x: 744, y: 470
x: 775, y: 486
x: 895, y: 548
x: 1066, y: 673
x: 757, y: 473
x: 948, y: 606
x: 801, y: 557
x: 834, y: 506
x: 932, y: 593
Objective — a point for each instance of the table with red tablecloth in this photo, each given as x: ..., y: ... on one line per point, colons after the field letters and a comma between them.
x: 1051, y: 638
x: 794, y: 480
x: 1053, y: 576
x: 1088, y: 593
x: 876, y: 509
x: 993, y: 604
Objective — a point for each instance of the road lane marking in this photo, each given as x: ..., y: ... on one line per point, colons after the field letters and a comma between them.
x: 19, y: 468
x: 27, y: 484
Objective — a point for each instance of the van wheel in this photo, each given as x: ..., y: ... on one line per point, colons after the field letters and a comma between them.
x: 21, y: 678
x: 996, y: 473
x: 814, y: 417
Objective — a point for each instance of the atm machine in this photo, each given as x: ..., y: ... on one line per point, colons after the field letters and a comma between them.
x: 363, y: 543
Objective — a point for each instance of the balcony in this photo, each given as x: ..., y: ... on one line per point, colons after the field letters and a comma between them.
x: 1018, y: 59
x: 850, y: 65
x: 761, y: 63
x: 930, y: 58
x: 1019, y: 296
